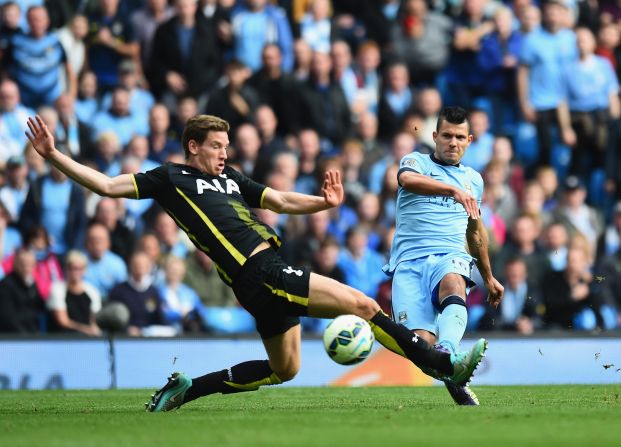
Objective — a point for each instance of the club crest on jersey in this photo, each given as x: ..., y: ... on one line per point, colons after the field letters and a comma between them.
x: 216, y: 186
x: 410, y: 162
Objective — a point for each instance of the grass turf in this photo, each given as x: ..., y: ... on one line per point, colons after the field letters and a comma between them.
x: 340, y: 417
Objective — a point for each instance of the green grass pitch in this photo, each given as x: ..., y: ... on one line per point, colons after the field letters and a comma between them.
x: 384, y: 417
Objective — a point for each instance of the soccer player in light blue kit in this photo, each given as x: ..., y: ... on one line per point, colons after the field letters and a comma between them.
x: 437, y: 204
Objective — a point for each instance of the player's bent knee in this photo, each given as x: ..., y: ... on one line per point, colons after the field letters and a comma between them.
x: 288, y: 373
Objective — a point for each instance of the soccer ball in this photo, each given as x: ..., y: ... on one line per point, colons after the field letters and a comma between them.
x: 348, y: 339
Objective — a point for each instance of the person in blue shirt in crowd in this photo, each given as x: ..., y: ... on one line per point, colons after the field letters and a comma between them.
x: 105, y: 269
x: 437, y: 205
x: 35, y: 59
x: 119, y: 118
x: 544, y: 53
x: 592, y: 97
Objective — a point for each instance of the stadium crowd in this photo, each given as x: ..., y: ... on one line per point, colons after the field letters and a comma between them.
x: 308, y: 85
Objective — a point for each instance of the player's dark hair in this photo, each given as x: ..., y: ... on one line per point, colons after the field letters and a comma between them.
x: 198, y: 127
x: 453, y: 115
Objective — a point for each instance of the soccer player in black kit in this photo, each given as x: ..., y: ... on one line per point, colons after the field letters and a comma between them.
x: 213, y: 204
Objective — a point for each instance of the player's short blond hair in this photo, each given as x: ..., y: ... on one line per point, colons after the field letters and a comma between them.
x: 198, y: 127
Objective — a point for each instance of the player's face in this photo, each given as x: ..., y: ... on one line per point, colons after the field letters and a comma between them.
x: 452, y: 140
x: 210, y: 155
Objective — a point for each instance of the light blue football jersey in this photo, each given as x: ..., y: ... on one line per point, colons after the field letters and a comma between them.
x: 431, y: 225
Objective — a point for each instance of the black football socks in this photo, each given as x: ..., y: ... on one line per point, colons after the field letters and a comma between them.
x: 247, y: 376
x: 402, y: 341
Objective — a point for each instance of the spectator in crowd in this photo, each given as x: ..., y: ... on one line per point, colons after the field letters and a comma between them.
x: 547, y: 177
x: 569, y: 295
x: 368, y: 211
x: 72, y: 37
x: 172, y: 241
x: 322, y: 103
x: 556, y: 245
x: 352, y: 157
x: 141, y: 298
x: 303, y: 60
x: 498, y: 61
x: 300, y: 250
x: 464, y: 77
x: 316, y: 25
x: 422, y: 39
x: 275, y: 87
x: 73, y: 303
x: 480, y: 151
x: 37, y: 167
x: 181, y: 305
x: 38, y: 72
x: 107, y: 155
x: 525, y: 233
x: 186, y: 61
x: 75, y: 134
x: 138, y: 148
x: 610, y: 240
x: 47, y: 267
x: 367, y: 131
x: 428, y: 105
x: 15, y: 189
x: 162, y: 142
x: 10, y: 14
x: 361, y: 265
x: 10, y: 237
x: 540, y: 88
x: 140, y: 99
x: 502, y: 151
x: 144, y: 22
x: 402, y: 144
x: 397, y: 100
x: 21, y: 306
x: 592, y: 92
x: 609, y: 271
x: 533, y: 201
x: 105, y: 269
x: 87, y: 103
x: 271, y: 142
x: 343, y: 73
x: 109, y: 213
x: 608, y: 40
x: 368, y: 59
x: 13, y: 118
x: 148, y: 243
x: 576, y: 215
x: 247, y: 145
x: 57, y: 204
x: 500, y: 196
x: 235, y: 101
x: 521, y: 308
x: 256, y: 23
x: 202, y: 276
x: 110, y: 40
x: 118, y: 118
x: 310, y: 150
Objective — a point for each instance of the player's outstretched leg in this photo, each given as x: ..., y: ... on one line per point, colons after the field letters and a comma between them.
x: 180, y: 389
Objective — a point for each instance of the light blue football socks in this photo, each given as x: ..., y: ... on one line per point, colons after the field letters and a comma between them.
x: 452, y: 322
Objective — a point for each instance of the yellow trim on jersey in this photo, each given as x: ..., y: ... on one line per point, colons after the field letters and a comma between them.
x: 263, y: 196
x: 290, y: 297
x: 223, y: 274
x: 244, y: 214
x: 187, y: 231
x: 273, y: 379
x: 241, y: 259
x: 386, y: 340
x: 135, y: 186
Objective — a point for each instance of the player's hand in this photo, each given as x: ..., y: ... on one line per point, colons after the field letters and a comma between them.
x: 495, y: 292
x: 332, y: 188
x: 469, y: 203
x: 40, y: 136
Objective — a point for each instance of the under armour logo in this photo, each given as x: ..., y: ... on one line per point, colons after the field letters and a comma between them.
x: 289, y: 270
x: 415, y: 338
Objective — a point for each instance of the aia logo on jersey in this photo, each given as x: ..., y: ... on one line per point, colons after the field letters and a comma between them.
x: 229, y: 186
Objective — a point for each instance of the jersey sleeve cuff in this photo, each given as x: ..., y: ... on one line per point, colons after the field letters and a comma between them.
x: 263, y: 196
x: 135, y: 186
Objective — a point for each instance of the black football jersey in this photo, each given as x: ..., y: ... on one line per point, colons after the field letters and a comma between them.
x: 215, y: 211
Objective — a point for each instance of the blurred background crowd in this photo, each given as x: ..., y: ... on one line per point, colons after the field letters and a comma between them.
x: 308, y: 85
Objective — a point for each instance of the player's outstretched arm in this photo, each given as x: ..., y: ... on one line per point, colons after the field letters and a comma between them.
x: 476, y: 236
x: 43, y: 142
x: 285, y: 202
x: 426, y: 186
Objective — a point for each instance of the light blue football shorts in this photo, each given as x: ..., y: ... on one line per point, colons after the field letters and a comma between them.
x: 415, y: 287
